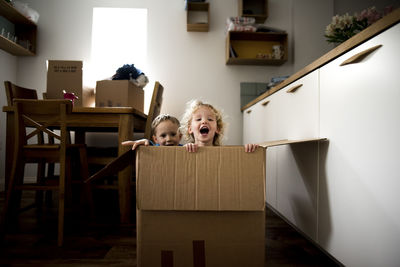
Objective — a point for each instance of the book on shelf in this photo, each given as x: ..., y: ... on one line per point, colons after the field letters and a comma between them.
x: 232, y: 52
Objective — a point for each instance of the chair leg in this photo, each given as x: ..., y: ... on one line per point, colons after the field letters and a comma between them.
x: 50, y: 175
x: 41, y: 169
x: 61, y: 210
x: 86, y: 193
x: 49, y: 194
x: 89, y: 199
x: 67, y: 181
x: 60, y: 238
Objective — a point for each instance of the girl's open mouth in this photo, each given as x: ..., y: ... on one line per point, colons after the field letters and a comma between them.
x: 204, y: 130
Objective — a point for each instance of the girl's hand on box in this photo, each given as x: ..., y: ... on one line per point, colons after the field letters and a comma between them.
x: 136, y: 143
x: 190, y: 147
x: 250, y: 147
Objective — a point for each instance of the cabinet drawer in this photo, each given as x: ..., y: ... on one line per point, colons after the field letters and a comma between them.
x: 260, y: 121
x: 253, y: 128
x: 271, y: 106
x: 301, y: 108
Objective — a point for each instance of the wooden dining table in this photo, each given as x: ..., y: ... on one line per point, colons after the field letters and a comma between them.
x: 124, y: 120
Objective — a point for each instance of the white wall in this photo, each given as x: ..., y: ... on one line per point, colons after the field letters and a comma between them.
x: 188, y: 64
x: 343, y: 6
x: 308, y: 34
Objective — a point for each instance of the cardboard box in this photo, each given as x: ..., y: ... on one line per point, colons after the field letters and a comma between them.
x: 200, y: 238
x: 214, y: 178
x: 64, y: 75
x: 200, y: 209
x: 119, y: 93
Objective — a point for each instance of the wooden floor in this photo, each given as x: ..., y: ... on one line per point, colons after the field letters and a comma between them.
x: 32, y: 241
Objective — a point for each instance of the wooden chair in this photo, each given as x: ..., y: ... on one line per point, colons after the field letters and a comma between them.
x: 43, y: 116
x: 50, y: 166
x: 14, y: 91
x: 115, y: 165
x: 155, y: 108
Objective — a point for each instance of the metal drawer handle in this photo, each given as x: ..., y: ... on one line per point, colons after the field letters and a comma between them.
x: 360, y: 56
x: 294, y: 88
x: 265, y: 103
x: 249, y: 111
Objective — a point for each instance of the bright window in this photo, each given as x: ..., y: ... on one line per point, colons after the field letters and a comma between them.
x: 119, y: 36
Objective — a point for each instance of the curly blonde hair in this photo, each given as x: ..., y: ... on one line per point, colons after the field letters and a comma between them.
x: 193, y: 106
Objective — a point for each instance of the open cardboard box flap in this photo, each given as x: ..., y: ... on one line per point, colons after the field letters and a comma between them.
x: 288, y: 142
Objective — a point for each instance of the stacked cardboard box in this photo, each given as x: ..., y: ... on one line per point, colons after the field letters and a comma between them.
x: 64, y: 75
x: 67, y: 75
x: 119, y: 93
x: 200, y: 209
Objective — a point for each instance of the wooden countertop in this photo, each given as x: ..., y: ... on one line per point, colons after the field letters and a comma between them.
x: 376, y: 28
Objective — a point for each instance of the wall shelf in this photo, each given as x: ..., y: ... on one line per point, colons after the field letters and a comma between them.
x: 25, y: 30
x: 257, y: 9
x: 245, y: 48
x: 198, y: 16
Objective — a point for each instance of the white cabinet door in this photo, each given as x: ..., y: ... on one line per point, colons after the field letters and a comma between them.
x: 259, y: 125
x: 281, y: 114
x: 359, y: 213
x: 296, y: 173
x: 297, y: 185
x: 298, y: 112
x: 302, y: 107
x: 253, y: 128
x: 271, y: 178
x: 271, y: 108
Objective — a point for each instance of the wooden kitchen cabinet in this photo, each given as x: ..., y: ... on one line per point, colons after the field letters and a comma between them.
x: 25, y: 30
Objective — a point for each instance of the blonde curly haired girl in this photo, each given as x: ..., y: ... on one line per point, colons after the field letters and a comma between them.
x: 202, y: 125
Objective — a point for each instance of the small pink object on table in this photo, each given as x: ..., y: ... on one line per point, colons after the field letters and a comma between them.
x: 70, y: 96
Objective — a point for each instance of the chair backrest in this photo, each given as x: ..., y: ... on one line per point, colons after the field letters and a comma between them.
x: 155, y: 108
x: 43, y: 116
x: 15, y: 91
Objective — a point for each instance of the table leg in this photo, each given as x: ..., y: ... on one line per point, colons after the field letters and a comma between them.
x: 80, y: 137
x: 125, y: 132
